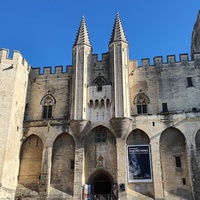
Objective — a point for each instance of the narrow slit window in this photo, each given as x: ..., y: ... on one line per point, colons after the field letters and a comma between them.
x: 164, y: 107
x: 189, y: 82
x: 184, y: 181
x: 71, y: 164
x: 178, y: 161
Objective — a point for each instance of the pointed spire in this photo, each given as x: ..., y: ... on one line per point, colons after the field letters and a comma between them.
x: 195, y: 47
x: 198, y: 17
x: 197, y: 23
x: 118, y: 31
x: 82, y: 35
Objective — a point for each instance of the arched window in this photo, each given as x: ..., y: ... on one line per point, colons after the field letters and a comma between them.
x: 91, y: 104
x: 141, y: 101
x: 99, y: 81
x: 48, y: 102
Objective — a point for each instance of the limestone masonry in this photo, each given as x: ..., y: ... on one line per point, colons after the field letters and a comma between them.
x: 104, y: 129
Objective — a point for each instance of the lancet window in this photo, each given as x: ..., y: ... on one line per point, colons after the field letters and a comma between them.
x: 141, y: 101
x: 99, y: 81
x: 48, y: 102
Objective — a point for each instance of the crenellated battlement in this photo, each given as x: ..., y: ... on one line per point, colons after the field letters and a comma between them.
x: 16, y: 58
x: 159, y: 64
x: 51, y: 72
x: 104, y: 57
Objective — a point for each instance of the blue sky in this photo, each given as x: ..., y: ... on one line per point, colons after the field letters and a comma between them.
x: 45, y: 30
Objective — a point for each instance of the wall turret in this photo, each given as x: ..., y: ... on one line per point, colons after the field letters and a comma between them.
x: 14, y: 73
x: 195, y: 45
x: 82, y: 54
x: 118, y: 49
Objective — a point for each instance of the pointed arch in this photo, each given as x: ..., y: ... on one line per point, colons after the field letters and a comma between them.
x: 137, y: 137
x: 63, y: 156
x: 103, y: 184
x: 50, y: 96
x: 48, y: 102
x: 139, y: 161
x: 100, y: 173
x: 197, y: 139
x: 174, y: 162
x: 197, y: 143
x: 195, y: 165
x: 99, y: 81
x: 99, y: 143
x: 31, y: 162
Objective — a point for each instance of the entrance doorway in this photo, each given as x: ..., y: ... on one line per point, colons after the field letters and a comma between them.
x: 103, y: 187
x: 102, y: 184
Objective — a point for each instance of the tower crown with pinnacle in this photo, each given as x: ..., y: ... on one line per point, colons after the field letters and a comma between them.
x: 118, y: 31
x: 82, y: 37
x: 195, y: 44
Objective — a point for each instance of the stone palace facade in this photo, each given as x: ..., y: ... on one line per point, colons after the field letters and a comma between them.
x: 106, y: 129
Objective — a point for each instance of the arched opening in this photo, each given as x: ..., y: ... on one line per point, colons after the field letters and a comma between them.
x: 91, y: 104
x: 48, y: 101
x: 139, y: 163
x: 102, y: 186
x: 174, y: 163
x: 197, y: 142
x: 107, y: 103
x: 96, y: 103
x: 63, y: 156
x: 30, y: 163
x: 102, y: 103
x: 195, y: 163
x: 100, y: 159
x: 141, y: 101
x: 99, y: 81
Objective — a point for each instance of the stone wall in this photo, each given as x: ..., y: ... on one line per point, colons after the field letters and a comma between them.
x: 166, y: 83
x: 14, y: 75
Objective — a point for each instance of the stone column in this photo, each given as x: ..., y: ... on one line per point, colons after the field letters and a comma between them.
x: 46, y: 172
x: 194, y: 169
x: 157, y: 169
x: 79, y: 129
x: 121, y: 168
x: 121, y: 127
x: 79, y: 173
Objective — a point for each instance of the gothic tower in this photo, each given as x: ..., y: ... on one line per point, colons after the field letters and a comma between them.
x: 118, y: 49
x: 14, y: 74
x: 195, y: 46
x: 82, y: 52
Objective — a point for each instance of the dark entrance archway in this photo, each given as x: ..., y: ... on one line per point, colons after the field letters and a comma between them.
x: 102, y: 185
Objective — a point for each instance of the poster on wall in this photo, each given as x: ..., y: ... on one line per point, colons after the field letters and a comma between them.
x: 139, y: 163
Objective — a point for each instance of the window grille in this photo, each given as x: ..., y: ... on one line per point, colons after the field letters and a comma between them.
x: 100, y: 136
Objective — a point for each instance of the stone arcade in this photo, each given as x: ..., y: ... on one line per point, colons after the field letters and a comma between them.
x: 105, y: 127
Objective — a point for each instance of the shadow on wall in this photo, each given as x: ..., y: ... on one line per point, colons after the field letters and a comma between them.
x: 181, y: 193
x: 63, y: 156
x: 30, y: 164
